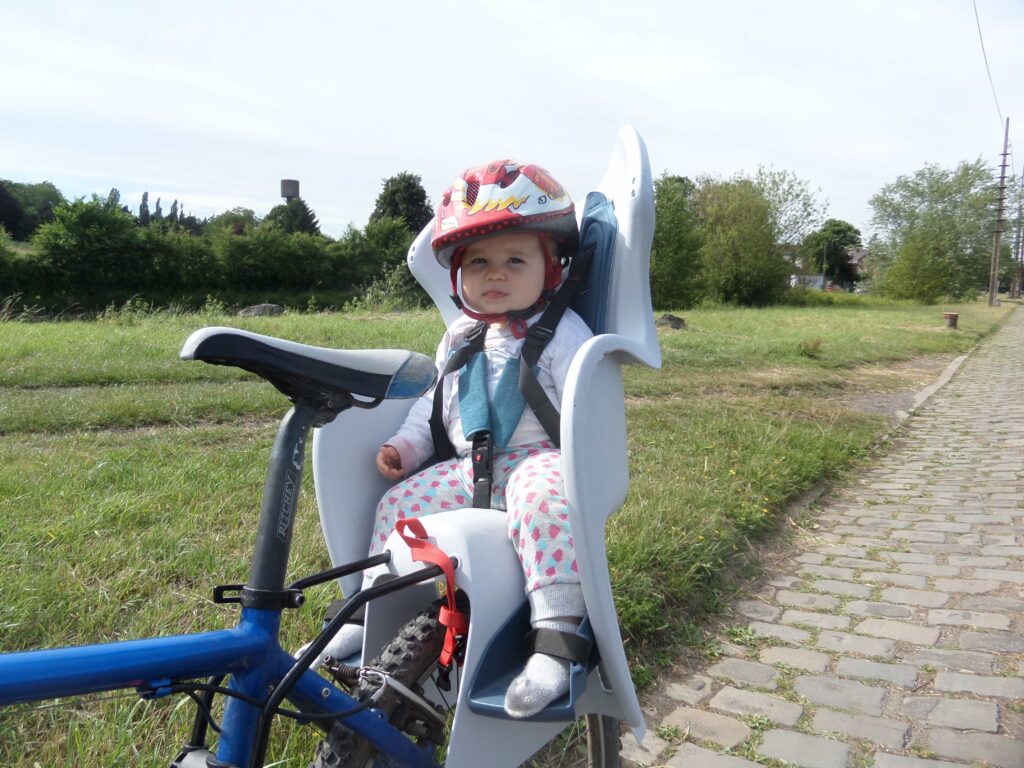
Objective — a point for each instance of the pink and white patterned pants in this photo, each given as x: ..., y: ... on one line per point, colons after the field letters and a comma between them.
x: 527, y: 483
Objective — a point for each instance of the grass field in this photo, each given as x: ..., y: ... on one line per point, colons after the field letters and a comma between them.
x: 130, y: 481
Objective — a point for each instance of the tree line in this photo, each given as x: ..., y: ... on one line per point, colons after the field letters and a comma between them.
x: 743, y: 240
x: 90, y: 250
x: 739, y: 240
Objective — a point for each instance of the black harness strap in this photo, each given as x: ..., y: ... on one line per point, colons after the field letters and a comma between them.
x: 537, y: 339
x: 564, y: 645
x: 443, y: 448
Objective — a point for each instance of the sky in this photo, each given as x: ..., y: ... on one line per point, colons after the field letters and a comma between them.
x: 213, y: 103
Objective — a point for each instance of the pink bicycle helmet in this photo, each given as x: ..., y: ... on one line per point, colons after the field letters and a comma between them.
x: 498, y: 198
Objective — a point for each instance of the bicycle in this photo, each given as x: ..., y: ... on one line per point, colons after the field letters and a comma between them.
x: 394, y: 706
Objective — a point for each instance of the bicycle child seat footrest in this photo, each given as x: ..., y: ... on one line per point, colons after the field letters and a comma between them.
x: 505, y: 656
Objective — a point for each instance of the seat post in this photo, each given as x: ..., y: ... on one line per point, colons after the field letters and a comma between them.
x: 280, y: 497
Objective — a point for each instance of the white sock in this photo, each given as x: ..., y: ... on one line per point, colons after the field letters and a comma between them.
x: 544, y: 679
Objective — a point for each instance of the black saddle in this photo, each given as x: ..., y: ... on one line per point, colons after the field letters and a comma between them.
x: 315, y: 374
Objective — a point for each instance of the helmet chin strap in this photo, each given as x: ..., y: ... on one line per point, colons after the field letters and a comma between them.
x: 516, y: 318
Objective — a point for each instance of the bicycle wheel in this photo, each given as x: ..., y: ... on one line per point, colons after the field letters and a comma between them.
x: 411, y: 658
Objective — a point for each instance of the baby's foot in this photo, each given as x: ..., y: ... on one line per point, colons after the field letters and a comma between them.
x: 544, y: 679
x: 347, y: 640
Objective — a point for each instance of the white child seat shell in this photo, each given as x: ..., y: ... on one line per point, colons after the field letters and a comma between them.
x: 595, y: 468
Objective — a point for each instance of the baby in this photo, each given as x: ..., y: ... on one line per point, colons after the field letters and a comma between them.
x: 508, y: 231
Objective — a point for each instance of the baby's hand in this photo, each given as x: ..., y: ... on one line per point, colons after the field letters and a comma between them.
x: 389, y: 463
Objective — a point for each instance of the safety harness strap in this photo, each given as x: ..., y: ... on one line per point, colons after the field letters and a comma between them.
x: 451, y: 617
x: 537, y: 339
x: 443, y: 448
x: 564, y: 645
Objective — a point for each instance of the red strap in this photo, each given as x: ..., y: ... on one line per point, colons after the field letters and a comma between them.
x: 425, y: 552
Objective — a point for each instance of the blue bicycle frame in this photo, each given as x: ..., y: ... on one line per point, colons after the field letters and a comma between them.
x: 262, y: 673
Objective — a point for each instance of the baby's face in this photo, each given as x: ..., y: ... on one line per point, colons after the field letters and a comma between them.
x: 504, y: 273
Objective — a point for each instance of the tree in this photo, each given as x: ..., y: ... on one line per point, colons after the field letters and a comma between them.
x: 236, y: 221
x: 945, y: 216
x: 36, y: 203
x: 739, y: 258
x: 827, y: 251
x: 92, y: 245
x: 795, y: 210
x: 360, y: 256
x: 10, y: 210
x: 403, y: 197
x: 144, y: 215
x: 294, y: 216
x: 675, y: 251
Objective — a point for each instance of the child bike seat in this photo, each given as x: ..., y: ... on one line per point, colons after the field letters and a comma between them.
x: 302, y: 371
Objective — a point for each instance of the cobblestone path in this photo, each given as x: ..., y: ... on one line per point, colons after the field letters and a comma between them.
x: 895, y: 637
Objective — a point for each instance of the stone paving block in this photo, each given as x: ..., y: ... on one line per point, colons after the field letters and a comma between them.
x: 708, y: 726
x: 750, y: 673
x: 786, y: 634
x: 885, y: 760
x: 1017, y: 577
x: 878, y: 730
x: 814, y: 619
x: 867, y: 541
x: 971, y: 586
x: 809, y: 661
x: 908, y: 557
x: 804, y: 751
x: 956, y: 661
x: 741, y: 702
x: 692, y: 690
x: 691, y: 756
x: 828, y: 571
x: 965, y: 714
x: 810, y: 558
x: 919, y: 597
x: 928, y: 536
x: 758, y: 610
x: 807, y: 600
x: 841, y: 550
x: 989, y: 748
x: 945, y: 527
x: 646, y: 753
x: 983, y: 685
x: 992, y: 603
x: 976, y: 561
x: 903, y: 675
x: 899, y: 579
x: 862, y: 646
x: 974, y: 619
x: 868, y: 608
x: 784, y: 582
x: 844, y: 694
x: 842, y: 588
x: 988, y: 641
x: 858, y: 563
x: 926, y: 569
x: 898, y: 630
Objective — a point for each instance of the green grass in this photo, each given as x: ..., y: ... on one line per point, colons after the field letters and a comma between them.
x: 130, y: 481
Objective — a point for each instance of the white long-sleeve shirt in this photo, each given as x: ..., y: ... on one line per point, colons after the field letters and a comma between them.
x: 413, y: 441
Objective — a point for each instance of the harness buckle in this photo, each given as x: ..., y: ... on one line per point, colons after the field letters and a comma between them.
x: 483, y: 469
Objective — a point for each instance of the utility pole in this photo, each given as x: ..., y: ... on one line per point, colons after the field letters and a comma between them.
x: 993, y: 280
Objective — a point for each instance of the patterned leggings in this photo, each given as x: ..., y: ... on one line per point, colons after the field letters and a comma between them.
x: 527, y: 483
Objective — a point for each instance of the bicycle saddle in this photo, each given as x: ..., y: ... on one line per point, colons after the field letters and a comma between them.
x: 302, y: 371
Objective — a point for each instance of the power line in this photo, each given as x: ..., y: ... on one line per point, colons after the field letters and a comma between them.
x: 985, y: 56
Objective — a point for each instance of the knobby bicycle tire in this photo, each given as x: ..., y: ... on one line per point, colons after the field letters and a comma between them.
x: 411, y: 657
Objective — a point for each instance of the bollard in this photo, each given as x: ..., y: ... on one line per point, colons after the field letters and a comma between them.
x: 951, y: 318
